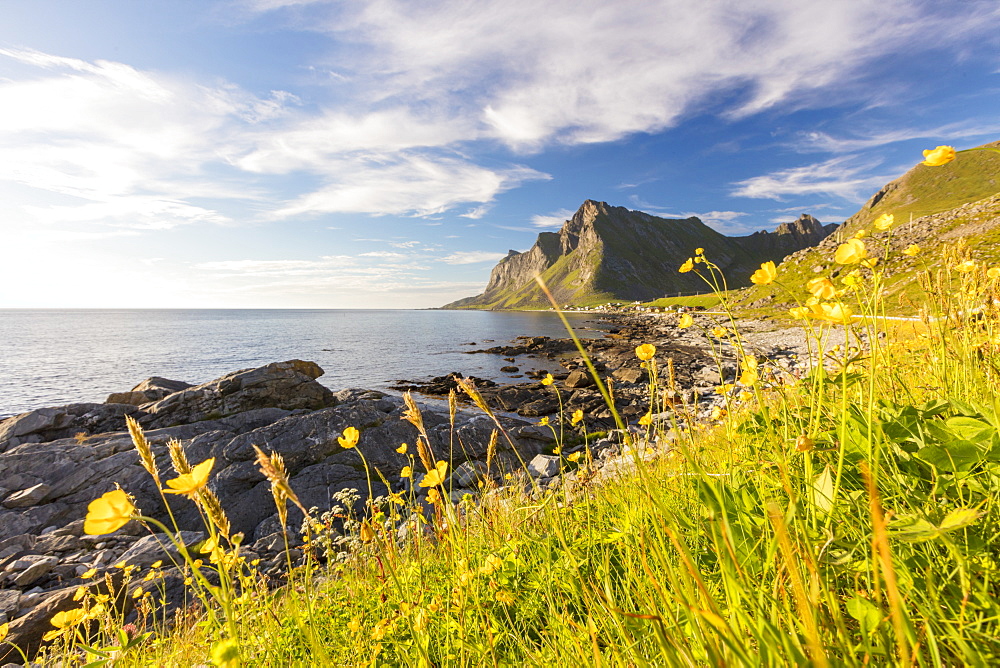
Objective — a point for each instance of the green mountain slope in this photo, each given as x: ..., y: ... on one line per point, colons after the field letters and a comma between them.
x: 932, y: 206
x: 607, y: 253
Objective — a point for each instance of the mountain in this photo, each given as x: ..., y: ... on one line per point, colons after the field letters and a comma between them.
x: 933, y: 207
x: 610, y: 253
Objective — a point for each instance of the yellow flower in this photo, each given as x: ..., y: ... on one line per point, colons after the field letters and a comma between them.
x: 912, y: 250
x: 544, y: 422
x: 699, y: 251
x: 354, y: 625
x: 226, y: 653
x: 89, y: 574
x: 965, y: 267
x: 861, y: 234
x: 350, y: 438
x: 645, y: 351
x: 822, y: 287
x: 993, y: 273
x: 719, y: 332
x: 577, y: 416
x: 433, y: 496
x: 765, y: 275
x: 942, y: 155
x: 406, y: 472
x: 574, y: 457
x: 646, y: 420
x: 435, y: 477
x: 749, y: 377
x: 505, y: 597
x: 803, y: 443
x: 837, y: 313
x: 109, y: 513
x: 548, y: 380
x: 799, y: 312
x: 687, y: 266
x: 851, y: 252
x: 402, y: 449
x: 189, y: 483
x: 685, y: 321
x: 884, y: 221
x: 717, y: 413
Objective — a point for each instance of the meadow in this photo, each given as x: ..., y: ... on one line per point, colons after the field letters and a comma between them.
x: 847, y: 516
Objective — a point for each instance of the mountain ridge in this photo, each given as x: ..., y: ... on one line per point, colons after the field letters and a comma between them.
x: 611, y: 253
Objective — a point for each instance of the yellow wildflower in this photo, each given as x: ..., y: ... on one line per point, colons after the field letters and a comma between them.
x: 505, y: 597
x: 645, y: 351
x: 89, y: 574
x: 354, y: 625
x: 965, y: 267
x: 577, y: 416
x: 226, y: 653
x: 799, y: 312
x: 189, y: 483
x: 406, y: 472
x: 861, y: 234
x: 699, y: 251
x: 574, y: 457
x: 851, y: 252
x: 109, y: 513
x: 884, y: 221
x: 435, y: 477
x: 433, y: 496
x: 838, y: 313
x: 821, y: 287
x: 544, y: 422
x: 685, y: 321
x: 993, y: 273
x: 687, y: 266
x: 942, y: 155
x: 765, y: 275
x: 402, y: 449
x: 350, y: 438
x: 548, y: 380
x: 803, y: 443
x: 912, y: 250
x: 646, y: 420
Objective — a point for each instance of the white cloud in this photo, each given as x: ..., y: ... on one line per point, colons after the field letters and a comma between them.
x: 839, y: 176
x: 472, y: 257
x: 552, y: 221
x: 581, y: 71
x: 827, y: 143
x: 406, y: 185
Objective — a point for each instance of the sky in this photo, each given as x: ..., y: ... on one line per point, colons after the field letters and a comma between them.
x: 387, y: 153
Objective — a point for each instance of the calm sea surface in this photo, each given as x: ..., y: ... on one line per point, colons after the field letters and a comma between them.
x: 54, y: 357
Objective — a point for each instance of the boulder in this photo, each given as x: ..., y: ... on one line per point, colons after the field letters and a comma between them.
x: 287, y: 385
x: 578, y: 379
x: 27, y: 497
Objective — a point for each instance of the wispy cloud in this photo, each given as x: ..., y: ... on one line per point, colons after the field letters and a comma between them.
x: 828, y: 143
x: 472, y: 257
x: 846, y: 177
x: 552, y: 220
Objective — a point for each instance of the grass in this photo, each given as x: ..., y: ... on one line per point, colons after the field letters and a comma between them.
x: 708, y: 300
x: 844, y: 516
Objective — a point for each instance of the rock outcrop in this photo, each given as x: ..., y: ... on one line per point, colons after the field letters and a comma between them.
x: 609, y: 253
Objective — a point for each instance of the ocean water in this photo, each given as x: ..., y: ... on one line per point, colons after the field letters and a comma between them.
x: 55, y: 357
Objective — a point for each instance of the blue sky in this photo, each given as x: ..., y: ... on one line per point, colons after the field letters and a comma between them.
x: 386, y: 153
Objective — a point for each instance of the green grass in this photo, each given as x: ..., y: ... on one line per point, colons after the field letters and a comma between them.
x: 709, y: 300
x: 844, y: 517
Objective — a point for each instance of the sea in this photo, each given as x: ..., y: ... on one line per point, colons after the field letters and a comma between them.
x: 62, y: 356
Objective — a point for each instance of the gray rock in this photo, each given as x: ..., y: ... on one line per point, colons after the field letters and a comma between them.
x: 630, y: 375
x: 158, y: 547
x: 288, y: 385
x: 27, y: 497
x: 543, y: 466
x: 9, y: 599
x: 27, y: 570
x: 578, y: 379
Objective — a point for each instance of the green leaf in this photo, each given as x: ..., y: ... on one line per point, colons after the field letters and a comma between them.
x: 959, y: 518
x: 865, y: 612
x: 970, y: 429
x: 956, y: 456
x: 821, y: 490
x: 912, y: 529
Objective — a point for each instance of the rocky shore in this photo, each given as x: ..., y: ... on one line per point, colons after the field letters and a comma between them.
x: 54, y: 461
